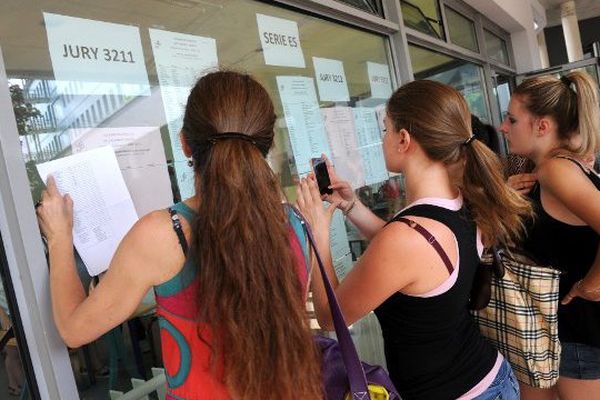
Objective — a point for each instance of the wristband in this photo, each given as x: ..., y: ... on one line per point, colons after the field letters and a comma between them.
x: 347, y: 210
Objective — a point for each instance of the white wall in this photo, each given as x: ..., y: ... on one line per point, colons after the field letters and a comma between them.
x: 517, y: 17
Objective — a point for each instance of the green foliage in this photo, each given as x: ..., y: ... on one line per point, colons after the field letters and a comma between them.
x: 24, y: 111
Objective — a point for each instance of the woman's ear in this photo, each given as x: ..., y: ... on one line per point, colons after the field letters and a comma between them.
x: 187, y: 150
x: 543, y: 126
x: 404, y: 140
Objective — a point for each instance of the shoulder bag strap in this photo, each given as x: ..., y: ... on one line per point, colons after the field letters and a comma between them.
x: 356, y: 374
x: 177, y: 228
x: 430, y: 239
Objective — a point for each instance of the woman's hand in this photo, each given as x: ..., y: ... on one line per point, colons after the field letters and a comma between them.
x: 342, y: 195
x: 311, y: 206
x: 55, y: 213
x: 580, y: 290
x: 522, y: 183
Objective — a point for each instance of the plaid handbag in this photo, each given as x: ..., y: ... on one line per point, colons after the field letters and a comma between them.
x: 521, y: 317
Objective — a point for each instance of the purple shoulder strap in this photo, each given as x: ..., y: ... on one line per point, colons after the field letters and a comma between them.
x: 356, y: 374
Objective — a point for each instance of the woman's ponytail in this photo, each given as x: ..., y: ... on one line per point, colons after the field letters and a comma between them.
x: 588, y: 113
x: 497, y: 209
x: 249, y: 295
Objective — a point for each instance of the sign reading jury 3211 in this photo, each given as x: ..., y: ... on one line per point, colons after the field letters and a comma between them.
x: 106, y: 56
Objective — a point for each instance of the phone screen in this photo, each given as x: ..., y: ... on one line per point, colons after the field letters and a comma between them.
x: 320, y: 168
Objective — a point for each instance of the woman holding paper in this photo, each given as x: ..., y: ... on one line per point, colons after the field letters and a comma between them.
x: 232, y: 311
x: 418, y: 270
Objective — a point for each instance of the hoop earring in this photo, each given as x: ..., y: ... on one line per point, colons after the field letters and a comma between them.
x: 190, y: 162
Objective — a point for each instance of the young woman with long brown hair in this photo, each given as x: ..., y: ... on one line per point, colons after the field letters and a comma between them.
x: 418, y: 270
x: 556, y: 124
x: 232, y: 313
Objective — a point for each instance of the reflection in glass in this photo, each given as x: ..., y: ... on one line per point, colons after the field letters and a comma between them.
x: 67, y: 117
x: 12, y: 377
x: 462, y: 30
x: 424, y: 16
x: 464, y: 76
x: 372, y: 6
x: 496, y: 47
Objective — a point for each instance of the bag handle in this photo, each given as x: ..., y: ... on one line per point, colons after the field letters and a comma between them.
x: 356, y: 374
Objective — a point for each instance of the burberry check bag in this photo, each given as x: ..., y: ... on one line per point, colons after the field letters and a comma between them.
x: 521, y: 318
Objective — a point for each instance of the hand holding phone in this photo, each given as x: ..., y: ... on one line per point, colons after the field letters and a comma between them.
x: 320, y: 167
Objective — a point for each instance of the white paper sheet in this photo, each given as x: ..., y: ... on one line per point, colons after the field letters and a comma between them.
x: 280, y: 41
x: 331, y: 80
x: 181, y: 59
x: 340, y: 248
x: 339, y: 125
x: 379, y: 79
x: 102, y: 208
x: 141, y: 157
x: 100, y: 57
x: 303, y: 119
x: 370, y: 146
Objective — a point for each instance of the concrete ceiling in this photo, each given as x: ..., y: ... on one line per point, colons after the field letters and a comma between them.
x: 585, y: 9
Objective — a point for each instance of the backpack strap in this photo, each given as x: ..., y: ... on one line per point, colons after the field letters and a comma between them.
x: 430, y: 239
x: 178, y: 230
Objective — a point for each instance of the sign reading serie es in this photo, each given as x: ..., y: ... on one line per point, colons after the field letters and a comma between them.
x: 107, y: 55
x: 280, y: 41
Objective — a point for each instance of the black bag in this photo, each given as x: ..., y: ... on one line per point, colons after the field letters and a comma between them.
x: 481, y: 290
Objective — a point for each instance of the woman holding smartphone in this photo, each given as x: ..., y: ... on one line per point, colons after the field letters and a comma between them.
x: 418, y: 270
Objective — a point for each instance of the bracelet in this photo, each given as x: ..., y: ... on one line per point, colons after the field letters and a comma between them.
x: 347, y: 210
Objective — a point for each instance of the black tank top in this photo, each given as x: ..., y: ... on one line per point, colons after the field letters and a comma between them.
x: 432, y: 346
x: 571, y: 249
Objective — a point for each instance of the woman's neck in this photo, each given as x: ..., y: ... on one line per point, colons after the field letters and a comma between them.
x: 428, y: 179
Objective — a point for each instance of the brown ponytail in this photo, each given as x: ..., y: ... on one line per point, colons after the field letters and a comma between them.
x: 572, y: 102
x: 249, y: 294
x: 438, y: 117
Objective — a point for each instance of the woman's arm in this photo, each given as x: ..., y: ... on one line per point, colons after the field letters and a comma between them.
x: 375, y: 277
x: 134, y: 269
x: 564, y: 181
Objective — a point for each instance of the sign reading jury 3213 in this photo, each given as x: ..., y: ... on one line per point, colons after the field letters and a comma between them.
x: 108, y: 55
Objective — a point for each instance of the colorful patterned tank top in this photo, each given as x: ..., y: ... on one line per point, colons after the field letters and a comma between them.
x: 186, y: 357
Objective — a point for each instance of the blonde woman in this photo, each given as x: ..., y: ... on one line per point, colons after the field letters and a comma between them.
x: 556, y: 124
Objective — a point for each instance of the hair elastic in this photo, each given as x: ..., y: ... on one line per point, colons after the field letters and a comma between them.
x: 468, y: 141
x: 231, y: 135
x: 567, y: 82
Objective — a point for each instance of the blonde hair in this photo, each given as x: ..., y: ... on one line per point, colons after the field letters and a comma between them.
x: 572, y: 101
x: 438, y: 117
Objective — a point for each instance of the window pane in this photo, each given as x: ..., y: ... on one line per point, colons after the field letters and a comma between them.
x: 464, y: 76
x: 496, y: 48
x: 141, y: 115
x: 372, y: 6
x: 424, y: 16
x: 462, y: 30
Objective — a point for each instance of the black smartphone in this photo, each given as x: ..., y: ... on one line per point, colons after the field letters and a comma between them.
x: 320, y: 168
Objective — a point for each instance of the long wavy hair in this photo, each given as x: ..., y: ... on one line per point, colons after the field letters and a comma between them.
x: 438, y: 117
x: 250, y: 294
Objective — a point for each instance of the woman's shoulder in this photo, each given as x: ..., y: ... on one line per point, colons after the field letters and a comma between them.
x: 153, y: 240
x: 561, y: 171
